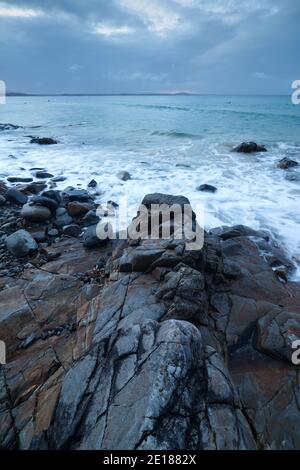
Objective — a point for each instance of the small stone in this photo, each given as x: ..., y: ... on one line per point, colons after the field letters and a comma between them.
x: 53, y: 232
x: 58, y: 179
x: 207, y: 188
x: 92, y: 184
x: 15, y: 196
x: 124, y: 175
x: 34, y: 188
x: 62, y: 217
x: 76, y: 209
x: 43, y: 175
x: 17, y: 179
x: 46, y: 202
x: 21, y: 244
x: 43, y: 141
x: 74, y: 194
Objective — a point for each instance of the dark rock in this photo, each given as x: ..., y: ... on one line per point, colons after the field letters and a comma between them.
x: 15, y: 196
x: 58, y: 179
x: 34, y: 188
x: 124, y: 175
x: 207, y: 188
x: 21, y: 244
x: 18, y: 179
x: 76, y: 209
x: 112, y: 204
x: 43, y: 141
x: 35, y: 213
x: 73, y: 194
x: 72, y: 230
x: 287, y: 163
x: 62, y: 217
x: 93, y: 184
x: 250, y: 147
x: 52, y: 194
x: 2, y: 200
x: 46, y: 202
x: 91, y: 239
x: 90, y: 218
x: 43, y: 175
x: 169, y: 200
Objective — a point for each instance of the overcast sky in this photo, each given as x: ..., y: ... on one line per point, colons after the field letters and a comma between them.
x: 113, y: 46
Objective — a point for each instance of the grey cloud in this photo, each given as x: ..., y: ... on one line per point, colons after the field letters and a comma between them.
x: 223, y: 46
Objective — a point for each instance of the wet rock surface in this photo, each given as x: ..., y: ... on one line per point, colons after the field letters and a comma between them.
x: 250, y: 147
x: 147, y: 345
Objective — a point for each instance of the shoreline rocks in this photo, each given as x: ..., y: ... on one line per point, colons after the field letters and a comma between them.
x: 249, y: 147
x: 287, y: 163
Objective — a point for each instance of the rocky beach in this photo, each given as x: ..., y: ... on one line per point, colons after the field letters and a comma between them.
x: 123, y: 344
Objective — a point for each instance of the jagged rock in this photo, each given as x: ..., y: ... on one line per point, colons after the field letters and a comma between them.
x: 92, y: 184
x: 15, y: 196
x: 276, y: 333
x: 250, y: 147
x: 124, y: 175
x: 21, y: 243
x: 144, y: 345
x: 43, y: 141
x: 35, y: 213
x: 287, y: 163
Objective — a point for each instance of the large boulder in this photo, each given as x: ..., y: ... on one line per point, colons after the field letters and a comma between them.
x: 35, y: 213
x: 21, y: 244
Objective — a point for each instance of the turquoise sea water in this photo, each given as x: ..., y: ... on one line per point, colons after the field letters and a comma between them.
x: 168, y: 144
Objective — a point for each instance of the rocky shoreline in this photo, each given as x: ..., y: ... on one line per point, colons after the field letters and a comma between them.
x: 141, y: 345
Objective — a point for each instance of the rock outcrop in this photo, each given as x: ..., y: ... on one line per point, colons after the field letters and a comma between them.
x: 146, y: 345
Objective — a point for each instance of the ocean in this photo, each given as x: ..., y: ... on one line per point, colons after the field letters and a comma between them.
x: 169, y: 144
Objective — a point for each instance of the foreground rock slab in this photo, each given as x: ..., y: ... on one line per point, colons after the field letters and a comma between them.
x: 147, y: 345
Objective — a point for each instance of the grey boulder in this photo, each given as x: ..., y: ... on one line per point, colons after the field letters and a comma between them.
x: 21, y: 244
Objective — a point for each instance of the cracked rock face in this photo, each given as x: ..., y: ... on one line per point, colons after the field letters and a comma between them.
x: 172, y: 349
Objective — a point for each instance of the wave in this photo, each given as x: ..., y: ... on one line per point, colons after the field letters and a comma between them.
x: 176, y: 135
x: 159, y: 107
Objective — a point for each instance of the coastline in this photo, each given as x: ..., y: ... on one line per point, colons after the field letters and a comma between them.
x: 76, y: 307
